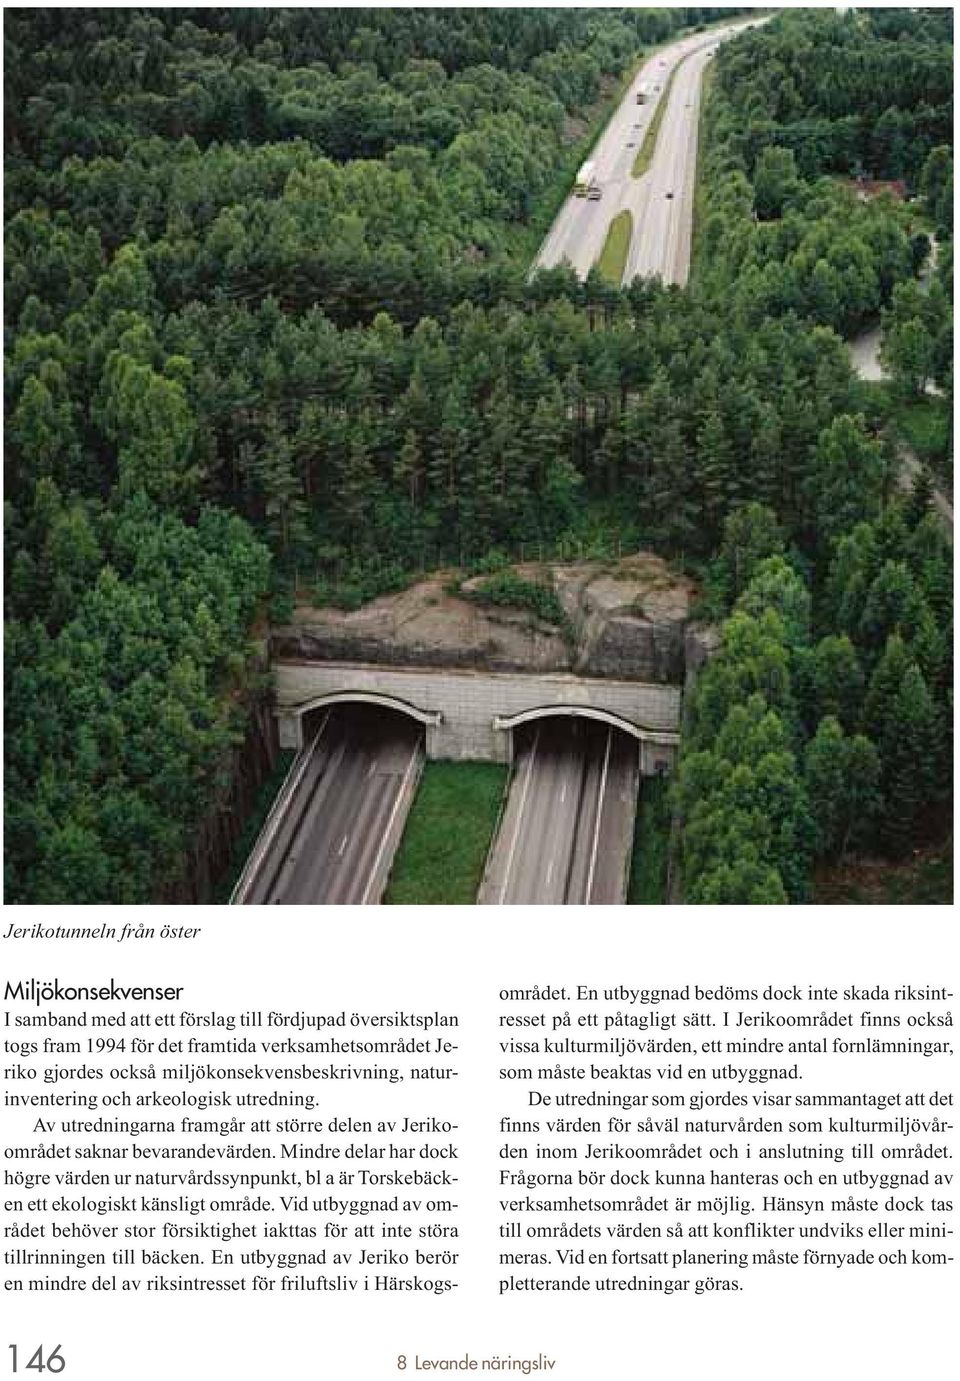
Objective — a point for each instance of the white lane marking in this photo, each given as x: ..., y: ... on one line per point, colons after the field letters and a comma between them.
x: 563, y: 793
x: 588, y: 240
x: 343, y: 845
x: 596, y: 827
x: 550, y: 871
x: 640, y: 263
x: 522, y: 807
x: 414, y: 758
x: 274, y: 819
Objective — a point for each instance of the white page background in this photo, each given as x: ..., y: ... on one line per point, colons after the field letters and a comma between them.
x: 878, y: 1322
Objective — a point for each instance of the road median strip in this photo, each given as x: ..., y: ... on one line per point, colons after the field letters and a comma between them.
x: 647, y: 149
x: 613, y: 258
x: 447, y: 837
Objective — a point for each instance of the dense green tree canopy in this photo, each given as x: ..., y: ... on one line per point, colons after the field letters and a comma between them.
x: 267, y: 291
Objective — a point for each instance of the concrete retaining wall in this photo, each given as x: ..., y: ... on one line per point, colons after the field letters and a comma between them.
x: 469, y: 702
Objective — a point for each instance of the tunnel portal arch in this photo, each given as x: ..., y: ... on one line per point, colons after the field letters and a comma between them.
x: 429, y: 718
x: 657, y: 748
x: 468, y: 714
x: 516, y: 721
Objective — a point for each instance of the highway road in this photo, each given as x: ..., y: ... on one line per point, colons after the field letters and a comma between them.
x: 661, y: 200
x: 567, y: 830
x: 332, y: 833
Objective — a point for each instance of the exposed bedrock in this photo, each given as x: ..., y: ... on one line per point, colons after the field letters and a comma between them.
x: 627, y: 620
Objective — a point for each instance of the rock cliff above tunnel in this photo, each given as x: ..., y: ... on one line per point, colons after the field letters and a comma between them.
x: 627, y: 620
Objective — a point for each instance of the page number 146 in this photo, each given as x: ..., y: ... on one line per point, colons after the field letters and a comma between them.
x: 53, y: 1362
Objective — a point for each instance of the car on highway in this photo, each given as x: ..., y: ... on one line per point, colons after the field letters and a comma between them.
x: 669, y: 196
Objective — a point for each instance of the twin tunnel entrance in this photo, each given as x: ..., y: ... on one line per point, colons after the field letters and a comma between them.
x: 565, y: 831
x: 372, y: 708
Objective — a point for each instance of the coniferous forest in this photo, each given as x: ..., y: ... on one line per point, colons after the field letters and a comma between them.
x: 270, y: 326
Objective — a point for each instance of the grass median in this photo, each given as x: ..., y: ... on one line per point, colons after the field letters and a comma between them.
x: 449, y: 829
x: 613, y: 260
x: 647, y: 149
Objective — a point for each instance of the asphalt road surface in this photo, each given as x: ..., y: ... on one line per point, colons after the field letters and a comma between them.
x: 567, y: 829
x: 331, y: 837
x: 662, y: 223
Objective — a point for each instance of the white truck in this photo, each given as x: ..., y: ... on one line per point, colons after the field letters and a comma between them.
x: 586, y: 183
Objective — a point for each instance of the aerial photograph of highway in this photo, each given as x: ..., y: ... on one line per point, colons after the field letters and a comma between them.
x: 660, y: 111
x: 495, y: 456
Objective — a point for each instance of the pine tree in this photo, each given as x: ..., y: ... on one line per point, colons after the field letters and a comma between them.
x: 921, y: 497
x: 669, y: 504
x: 893, y: 604
x: 449, y: 459
x: 775, y: 585
x: 357, y: 489
x: 908, y: 354
x: 836, y: 682
x: 911, y: 764
x: 548, y: 436
x: 408, y: 470
x: 274, y: 475
x: 751, y: 534
x: 879, y: 720
x: 42, y: 431
x: 715, y: 471
x: 843, y: 786
x: 848, y: 481
x: 766, y: 451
